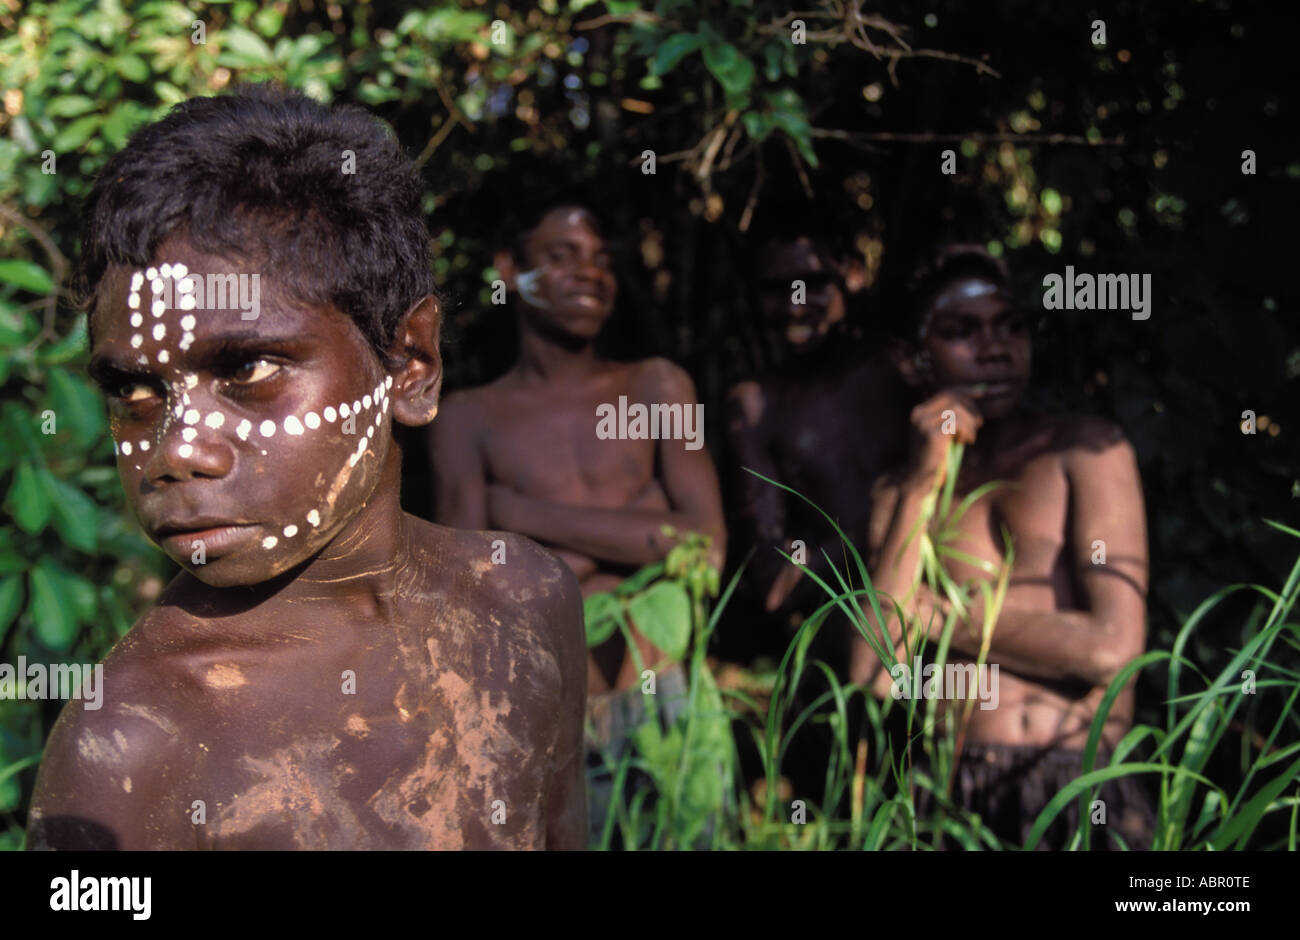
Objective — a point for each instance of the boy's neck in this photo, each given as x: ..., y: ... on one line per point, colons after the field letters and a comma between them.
x: 552, y: 360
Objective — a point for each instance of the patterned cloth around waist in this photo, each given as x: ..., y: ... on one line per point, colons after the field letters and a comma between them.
x: 1009, y: 785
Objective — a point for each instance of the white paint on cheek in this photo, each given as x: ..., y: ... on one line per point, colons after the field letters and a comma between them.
x: 356, y: 407
x: 244, y: 427
x: 185, y: 450
x: 159, y: 331
x: 192, y: 416
x: 290, y: 531
x: 164, y: 355
x: 215, y: 420
x: 159, y: 308
x: 191, y: 380
x: 311, y: 419
x: 270, y: 542
x: 189, y: 434
x: 144, y: 445
x: 126, y: 448
x: 385, y: 405
x: 388, y: 381
x: 176, y: 412
x: 137, y: 320
x: 370, y: 432
x: 156, y: 285
x: 187, y: 323
x: 150, y: 273
x: 314, y: 518
x: 267, y: 428
x: 292, y: 426
x: 344, y: 410
x: 330, y: 414
x: 136, y: 341
x: 366, y: 401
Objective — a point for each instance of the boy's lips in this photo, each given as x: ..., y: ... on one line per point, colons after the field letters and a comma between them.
x: 217, y: 537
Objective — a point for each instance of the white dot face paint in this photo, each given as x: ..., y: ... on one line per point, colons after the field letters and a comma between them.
x: 164, y: 355
x: 290, y: 531
x: 330, y: 414
x: 144, y: 445
x: 292, y: 426
x: 356, y: 407
x: 159, y: 331
x: 344, y: 410
x: 137, y: 320
x: 267, y: 428
x: 314, y: 518
x: 179, y: 270
x: 150, y: 273
x: 215, y: 420
x: 159, y: 308
x: 311, y: 419
x: 187, y: 302
x: 137, y: 341
x: 191, y: 416
x: 185, y: 450
x: 388, y: 381
x: 270, y: 542
x: 366, y: 401
x: 189, y: 434
x: 126, y: 448
x: 191, y: 380
x: 187, y: 323
x: 244, y: 427
x: 136, y: 280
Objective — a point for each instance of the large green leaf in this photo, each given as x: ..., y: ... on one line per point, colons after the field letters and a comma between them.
x: 52, y: 612
x: 26, y: 274
x: 663, y: 615
x: 673, y: 50
x: 76, y: 517
x: 29, y: 501
x: 601, y: 613
x: 732, y: 70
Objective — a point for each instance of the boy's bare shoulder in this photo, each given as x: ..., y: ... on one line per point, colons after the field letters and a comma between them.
x: 660, y: 379
x: 509, y: 579
x: 1083, y: 435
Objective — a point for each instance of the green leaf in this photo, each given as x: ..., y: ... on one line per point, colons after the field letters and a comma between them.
x: 26, y: 274
x: 29, y: 501
x: 11, y: 602
x: 132, y: 68
x: 70, y: 106
x: 663, y: 615
x: 53, y: 618
x: 243, y: 48
x: 76, y: 517
x: 77, y: 409
x: 77, y: 133
x: 732, y: 70
x: 673, y: 50
x: 601, y: 613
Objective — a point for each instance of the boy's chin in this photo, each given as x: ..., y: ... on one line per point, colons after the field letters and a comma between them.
x: 235, y: 571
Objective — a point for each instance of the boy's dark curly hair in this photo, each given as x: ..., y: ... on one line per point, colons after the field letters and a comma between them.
x: 258, y: 175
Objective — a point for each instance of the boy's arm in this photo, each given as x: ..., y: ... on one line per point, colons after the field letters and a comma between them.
x: 631, y: 536
x: 100, y: 785
x: 762, y: 507
x: 1095, y: 643
x: 460, y: 481
x: 566, y: 802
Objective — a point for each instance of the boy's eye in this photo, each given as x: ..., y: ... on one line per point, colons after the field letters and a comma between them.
x: 255, y: 370
x: 135, y: 392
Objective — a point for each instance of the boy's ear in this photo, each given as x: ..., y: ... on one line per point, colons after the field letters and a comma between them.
x: 417, y: 382
x: 911, y: 361
x: 505, y: 264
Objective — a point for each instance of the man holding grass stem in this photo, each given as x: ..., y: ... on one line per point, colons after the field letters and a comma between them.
x: 1073, y: 613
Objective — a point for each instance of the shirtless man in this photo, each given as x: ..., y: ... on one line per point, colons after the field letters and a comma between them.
x: 522, y: 453
x: 827, y: 424
x: 327, y: 672
x: 1068, y: 624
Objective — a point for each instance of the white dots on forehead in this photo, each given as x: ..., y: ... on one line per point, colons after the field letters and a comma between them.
x: 137, y: 319
x: 366, y: 402
x: 159, y: 331
x: 136, y: 280
x: 137, y: 341
x: 187, y: 322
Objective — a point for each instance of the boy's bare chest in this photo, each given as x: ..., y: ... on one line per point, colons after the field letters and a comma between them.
x: 553, y: 451
x: 381, y: 753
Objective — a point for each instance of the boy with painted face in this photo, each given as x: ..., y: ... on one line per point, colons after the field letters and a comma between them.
x: 1072, y: 617
x: 523, y: 454
x: 326, y: 671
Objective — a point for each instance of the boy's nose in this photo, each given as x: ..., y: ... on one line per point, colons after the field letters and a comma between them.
x: 181, y: 456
